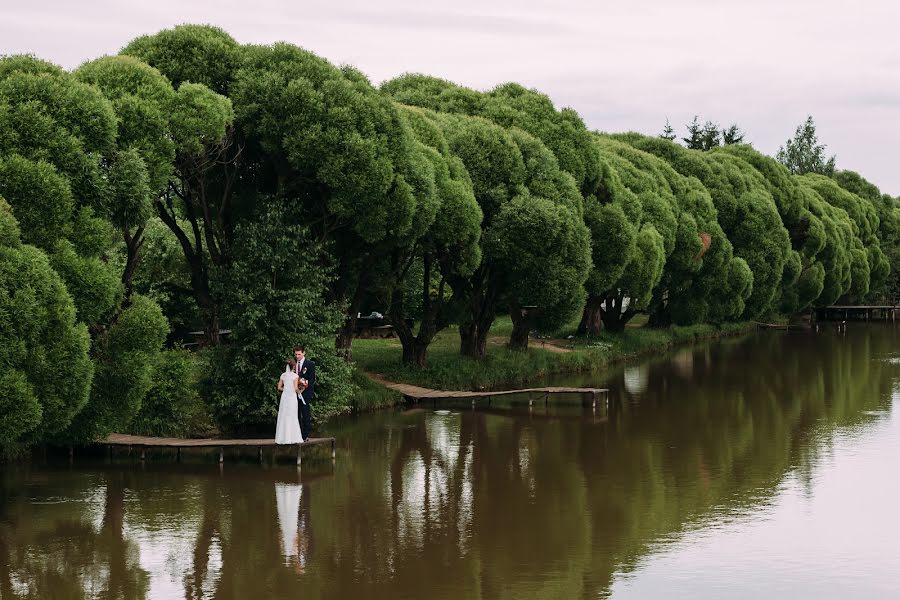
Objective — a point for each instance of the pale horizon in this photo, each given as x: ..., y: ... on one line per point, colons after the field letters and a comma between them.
x: 622, y: 68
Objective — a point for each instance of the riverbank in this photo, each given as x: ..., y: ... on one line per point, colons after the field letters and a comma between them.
x: 503, y: 368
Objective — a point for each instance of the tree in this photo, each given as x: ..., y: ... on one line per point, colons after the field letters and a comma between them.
x: 46, y: 375
x: 707, y: 136
x: 804, y: 154
x: 198, y: 202
x: 888, y: 211
x: 325, y: 139
x: 448, y: 247
x: 272, y: 303
x: 803, y: 276
x: 702, y: 137
x: 668, y: 132
x: 632, y: 227
x: 746, y: 212
x: 733, y: 135
x: 868, y: 263
x: 62, y: 162
x: 572, y: 158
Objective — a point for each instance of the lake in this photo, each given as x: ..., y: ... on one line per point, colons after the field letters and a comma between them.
x: 763, y: 466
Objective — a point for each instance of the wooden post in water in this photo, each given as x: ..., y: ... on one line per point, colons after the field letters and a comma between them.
x: 221, y: 454
x: 143, y: 454
x: 299, y: 455
x: 333, y: 450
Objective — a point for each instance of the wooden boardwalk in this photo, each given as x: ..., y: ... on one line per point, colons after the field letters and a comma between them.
x: 137, y: 441
x: 887, y: 312
x: 416, y: 393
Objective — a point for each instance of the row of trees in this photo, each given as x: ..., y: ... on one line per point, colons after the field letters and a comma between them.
x: 193, y: 182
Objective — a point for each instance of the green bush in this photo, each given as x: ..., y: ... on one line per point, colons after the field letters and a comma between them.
x: 172, y: 406
x: 274, y: 300
x: 125, y: 356
x: 44, y: 354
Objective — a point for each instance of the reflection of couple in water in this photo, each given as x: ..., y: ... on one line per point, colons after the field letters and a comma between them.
x: 294, y: 525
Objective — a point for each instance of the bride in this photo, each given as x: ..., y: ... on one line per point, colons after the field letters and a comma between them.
x: 287, y: 429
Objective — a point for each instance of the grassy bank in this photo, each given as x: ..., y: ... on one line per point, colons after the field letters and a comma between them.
x: 502, y: 367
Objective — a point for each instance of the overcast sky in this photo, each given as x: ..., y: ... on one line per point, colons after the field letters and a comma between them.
x: 764, y: 64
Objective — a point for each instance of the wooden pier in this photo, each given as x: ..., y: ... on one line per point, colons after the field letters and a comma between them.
x: 862, y: 312
x: 417, y: 394
x: 137, y: 441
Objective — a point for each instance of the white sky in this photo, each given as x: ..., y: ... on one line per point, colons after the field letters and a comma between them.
x: 764, y: 64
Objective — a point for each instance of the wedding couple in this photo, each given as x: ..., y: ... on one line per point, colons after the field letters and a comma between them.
x: 297, y: 386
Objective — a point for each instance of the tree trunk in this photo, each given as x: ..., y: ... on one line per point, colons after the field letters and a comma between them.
x: 133, y: 245
x: 415, y: 353
x: 473, y: 339
x: 209, y: 307
x: 414, y: 347
x: 468, y: 339
x: 592, y: 317
x: 473, y: 331
x: 518, y: 339
x: 343, y: 343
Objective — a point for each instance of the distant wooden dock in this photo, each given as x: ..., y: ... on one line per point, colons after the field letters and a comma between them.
x: 142, y: 442
x: 417, y: 393
x: 885, y: 312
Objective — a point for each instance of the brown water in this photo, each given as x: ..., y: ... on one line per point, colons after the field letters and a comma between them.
x: 761, y: 467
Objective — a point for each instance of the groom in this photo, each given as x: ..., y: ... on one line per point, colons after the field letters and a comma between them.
x: 306, y: 369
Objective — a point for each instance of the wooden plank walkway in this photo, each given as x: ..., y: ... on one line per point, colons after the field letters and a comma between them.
x: 417, y: 393
x: 886, y: 311
x: 142, y: 442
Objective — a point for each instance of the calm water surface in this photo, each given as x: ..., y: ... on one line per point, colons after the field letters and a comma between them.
x: 761, y: 467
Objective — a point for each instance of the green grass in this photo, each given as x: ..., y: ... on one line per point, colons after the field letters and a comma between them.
x: 371, y: 395
x: 446, y: 369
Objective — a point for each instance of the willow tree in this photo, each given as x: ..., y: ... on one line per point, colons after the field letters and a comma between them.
x: 62, y: 163
x: 746, y: 213
x: 326, y: 141
x: 199, y: 202
x: 868, y: 263
x: 40, y: 342
x: 562, y: 166
x: 200, y: 54
x: 888, y: 210
x: 629, y: 250
x: 143, y: 101
x: 504, y: 182
x: 834, y: 260
x: 702, y: 280
x: 803, y: 275
x: 446, y: 245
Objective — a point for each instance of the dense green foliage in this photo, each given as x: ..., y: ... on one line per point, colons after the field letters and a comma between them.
x: 253, y: 197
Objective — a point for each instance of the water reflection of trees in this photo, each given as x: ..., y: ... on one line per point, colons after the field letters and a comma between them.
x: 55, y: 546
x: 470, y: 504
x: 554, y: 508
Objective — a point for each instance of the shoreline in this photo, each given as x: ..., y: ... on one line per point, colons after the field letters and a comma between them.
x: 505, y: 369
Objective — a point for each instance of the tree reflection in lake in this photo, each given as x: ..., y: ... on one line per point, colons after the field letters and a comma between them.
x: 506, y: 503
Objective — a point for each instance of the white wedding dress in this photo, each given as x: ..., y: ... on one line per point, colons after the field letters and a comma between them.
x: 287, y: 429
x: 287, y: 500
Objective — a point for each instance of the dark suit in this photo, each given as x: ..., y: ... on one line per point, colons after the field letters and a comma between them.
x: 308, y: 372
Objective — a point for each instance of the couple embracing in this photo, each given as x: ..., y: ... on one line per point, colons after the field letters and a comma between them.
x: 297, y: 386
